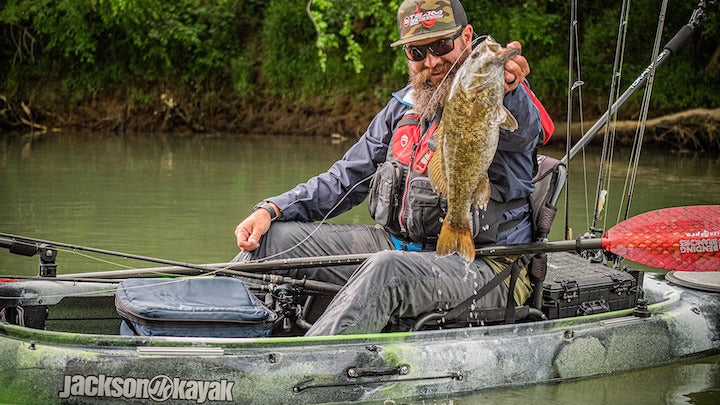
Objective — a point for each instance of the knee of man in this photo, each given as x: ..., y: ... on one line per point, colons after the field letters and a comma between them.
x: 381, y: 268
x: 385, y: 258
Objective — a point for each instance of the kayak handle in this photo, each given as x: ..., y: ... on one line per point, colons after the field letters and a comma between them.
x: 357, y: 372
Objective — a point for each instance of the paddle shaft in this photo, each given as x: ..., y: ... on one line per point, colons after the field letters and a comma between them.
x: 242, y: 269
x: 340, y: 260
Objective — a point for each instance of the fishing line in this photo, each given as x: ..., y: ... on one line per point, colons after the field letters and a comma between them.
x: 604, y: 173
x: 571, y: 85
x: 447, y: 74
x: 74, y: 251
x: 640, y: 132
x: 578, y: 85
x: 254, y: 282
x: 467, y: 49
x: 325, y: 218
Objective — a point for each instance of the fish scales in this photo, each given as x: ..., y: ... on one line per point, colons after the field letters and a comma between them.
x: 467, y: 139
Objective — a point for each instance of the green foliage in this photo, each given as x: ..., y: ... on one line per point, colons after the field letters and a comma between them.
x: 260, y: 48
x: 90, y: 43
x: 335, y: 51
x: 368, y: 23
x: 290, y: 63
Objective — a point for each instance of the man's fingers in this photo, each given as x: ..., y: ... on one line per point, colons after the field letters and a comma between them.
x: 514, y: 44
x: 516, y: 69
x: 243, y: 238
x: 512, y: 70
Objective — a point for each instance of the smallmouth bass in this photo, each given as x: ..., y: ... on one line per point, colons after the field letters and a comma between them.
x: 467, y: 139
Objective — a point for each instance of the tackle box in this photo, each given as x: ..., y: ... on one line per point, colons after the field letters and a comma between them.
x: 574, y: 286
x: 194, y: 307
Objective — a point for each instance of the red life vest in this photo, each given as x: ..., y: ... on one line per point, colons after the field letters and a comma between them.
x: 546, y: 121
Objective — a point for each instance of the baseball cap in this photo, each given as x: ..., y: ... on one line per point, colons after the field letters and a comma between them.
x: 425, y: 19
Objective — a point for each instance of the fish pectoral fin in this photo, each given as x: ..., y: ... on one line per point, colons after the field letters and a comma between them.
x: 481, y: 195
x: 505, y: 119
x: 436, y: 166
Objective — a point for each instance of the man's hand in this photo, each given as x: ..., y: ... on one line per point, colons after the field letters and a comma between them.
x: 515, y: 69
x: 250, y: 230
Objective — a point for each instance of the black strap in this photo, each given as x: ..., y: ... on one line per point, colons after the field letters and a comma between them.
x: 516, y: 267
x: 408, y: 120
x: 494, y: 282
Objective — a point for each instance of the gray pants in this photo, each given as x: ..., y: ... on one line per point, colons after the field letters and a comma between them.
x: 390, y: 283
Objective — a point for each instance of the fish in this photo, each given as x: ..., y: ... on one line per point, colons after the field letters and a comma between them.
x: 466, y: 141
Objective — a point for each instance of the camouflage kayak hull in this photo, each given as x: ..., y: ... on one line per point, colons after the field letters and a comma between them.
x: 40, y: 366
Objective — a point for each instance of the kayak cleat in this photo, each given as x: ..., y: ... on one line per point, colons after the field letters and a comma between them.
x: 641, y: 310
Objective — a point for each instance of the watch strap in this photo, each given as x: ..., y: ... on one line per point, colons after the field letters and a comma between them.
x: 265, y: 205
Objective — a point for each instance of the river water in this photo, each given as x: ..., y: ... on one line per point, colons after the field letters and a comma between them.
x: 180, y: 198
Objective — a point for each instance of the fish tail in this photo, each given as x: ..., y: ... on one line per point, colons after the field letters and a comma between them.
x: 453, y: 240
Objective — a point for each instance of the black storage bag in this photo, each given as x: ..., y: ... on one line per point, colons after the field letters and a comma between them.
x: 195, y: 307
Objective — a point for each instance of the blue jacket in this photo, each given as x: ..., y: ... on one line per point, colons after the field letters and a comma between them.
x: 510, y: 173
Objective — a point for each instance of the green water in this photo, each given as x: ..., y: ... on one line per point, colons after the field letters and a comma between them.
x: 180, y: 198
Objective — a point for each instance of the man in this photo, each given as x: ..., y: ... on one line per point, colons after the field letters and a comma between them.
x: 404, y: 278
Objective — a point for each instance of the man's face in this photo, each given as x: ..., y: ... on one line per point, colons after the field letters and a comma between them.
x: 433, y: 69
x: 432, y: 77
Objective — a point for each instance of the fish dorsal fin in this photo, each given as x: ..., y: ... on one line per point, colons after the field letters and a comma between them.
x: 436, y: 167
x: 505, y: 119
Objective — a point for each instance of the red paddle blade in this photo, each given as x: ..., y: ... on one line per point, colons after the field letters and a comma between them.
x: 680, y: 238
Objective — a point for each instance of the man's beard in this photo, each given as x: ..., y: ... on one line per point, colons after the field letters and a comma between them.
x: 429, y: 96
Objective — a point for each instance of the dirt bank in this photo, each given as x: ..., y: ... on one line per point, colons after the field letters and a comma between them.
x: 697, y: 129
x: 177, y: 114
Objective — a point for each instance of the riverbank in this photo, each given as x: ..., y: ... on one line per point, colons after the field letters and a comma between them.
x: 169, y: 113
x: 695, y: 129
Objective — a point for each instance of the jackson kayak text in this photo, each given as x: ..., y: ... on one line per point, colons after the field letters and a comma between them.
x: 159, y: 388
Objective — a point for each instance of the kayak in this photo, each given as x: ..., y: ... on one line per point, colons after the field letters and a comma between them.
x: 60, y: 342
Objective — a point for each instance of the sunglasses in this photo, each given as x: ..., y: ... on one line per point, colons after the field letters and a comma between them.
x: 443, y: 46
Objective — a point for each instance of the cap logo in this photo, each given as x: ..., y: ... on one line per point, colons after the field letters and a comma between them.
x: 426, y: 18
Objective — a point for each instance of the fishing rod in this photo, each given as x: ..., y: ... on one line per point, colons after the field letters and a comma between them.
x: 679, y: 238
x: 673, y: 45
x: 30, y: 246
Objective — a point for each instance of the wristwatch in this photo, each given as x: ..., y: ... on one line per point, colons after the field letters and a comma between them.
x: 265, y: 205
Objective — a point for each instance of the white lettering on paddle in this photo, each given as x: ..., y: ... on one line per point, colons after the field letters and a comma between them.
x: 699, y: 246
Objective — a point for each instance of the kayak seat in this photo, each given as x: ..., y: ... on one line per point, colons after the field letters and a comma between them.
x: 549, y: 180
